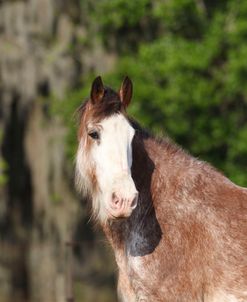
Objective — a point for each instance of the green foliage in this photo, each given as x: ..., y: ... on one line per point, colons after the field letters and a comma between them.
x: 3, y: 175
x: 189, y: 74
x: 118, y: 13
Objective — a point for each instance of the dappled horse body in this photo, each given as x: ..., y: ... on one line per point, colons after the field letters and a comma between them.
x: 177, y: 226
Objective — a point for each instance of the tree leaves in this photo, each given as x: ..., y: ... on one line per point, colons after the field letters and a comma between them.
x: 189, y: 72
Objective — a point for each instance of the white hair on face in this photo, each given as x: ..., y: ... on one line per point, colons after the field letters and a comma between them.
x: 111, y: 160
x: 82, y: 182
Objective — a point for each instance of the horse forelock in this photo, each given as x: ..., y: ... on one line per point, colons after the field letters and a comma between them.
x: 95, y: 112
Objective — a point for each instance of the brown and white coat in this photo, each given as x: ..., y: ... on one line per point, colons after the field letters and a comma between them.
x: 178, y: 227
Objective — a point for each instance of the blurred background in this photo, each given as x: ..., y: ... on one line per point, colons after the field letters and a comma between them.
x: 188, y: 62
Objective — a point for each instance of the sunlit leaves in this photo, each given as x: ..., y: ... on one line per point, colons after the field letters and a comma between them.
x: 189, y: 72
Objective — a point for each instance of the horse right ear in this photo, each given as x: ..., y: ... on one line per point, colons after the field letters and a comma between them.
x: 97, y: 90
x: 125, y: 92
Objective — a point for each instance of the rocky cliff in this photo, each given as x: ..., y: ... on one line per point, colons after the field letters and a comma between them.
x: 46, y: 47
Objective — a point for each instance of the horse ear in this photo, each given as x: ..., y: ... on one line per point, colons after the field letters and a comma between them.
x: 97, y: 90
x: 125, y: 92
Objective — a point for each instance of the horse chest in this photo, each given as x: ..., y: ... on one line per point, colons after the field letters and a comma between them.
x: 145, y: 279
x: 140, y: 280
x: 143, y: 274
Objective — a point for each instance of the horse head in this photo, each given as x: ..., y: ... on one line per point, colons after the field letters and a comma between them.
x: 104, y: 156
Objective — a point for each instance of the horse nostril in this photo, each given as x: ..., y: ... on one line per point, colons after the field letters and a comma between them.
x: 133, y: 203
x: 115, y: 199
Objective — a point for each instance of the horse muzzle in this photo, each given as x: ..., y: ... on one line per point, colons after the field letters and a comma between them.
x: 122, y: 206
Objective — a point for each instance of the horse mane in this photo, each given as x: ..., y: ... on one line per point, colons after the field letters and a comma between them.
x: 165, y: 142
x: 109, y: 105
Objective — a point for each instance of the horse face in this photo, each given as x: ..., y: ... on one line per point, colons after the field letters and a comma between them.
x: 111, y: 154
x: 104, y: 160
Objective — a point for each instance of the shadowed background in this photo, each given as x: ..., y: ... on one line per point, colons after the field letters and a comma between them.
x: 187, y: 60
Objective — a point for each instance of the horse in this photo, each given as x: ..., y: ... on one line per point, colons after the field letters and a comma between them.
x: 178, y: 227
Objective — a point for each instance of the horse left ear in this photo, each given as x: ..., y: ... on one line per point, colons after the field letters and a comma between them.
x: 125, y: 92
x: 97, y: 90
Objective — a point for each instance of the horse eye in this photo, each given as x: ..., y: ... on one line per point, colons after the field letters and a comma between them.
x: 94, y: 135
